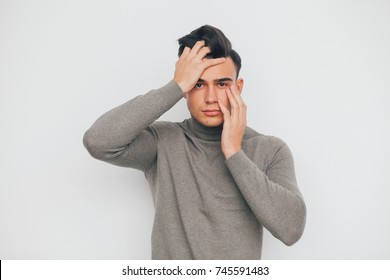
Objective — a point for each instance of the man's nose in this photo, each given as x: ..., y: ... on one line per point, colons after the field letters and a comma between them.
x: 211, y: 95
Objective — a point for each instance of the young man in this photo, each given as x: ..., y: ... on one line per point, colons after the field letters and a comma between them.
x: 215, y: 182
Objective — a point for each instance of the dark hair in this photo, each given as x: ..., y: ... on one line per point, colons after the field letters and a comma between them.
x: 214, y: 38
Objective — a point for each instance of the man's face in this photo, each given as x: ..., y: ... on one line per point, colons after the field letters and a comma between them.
x: 202, y: 100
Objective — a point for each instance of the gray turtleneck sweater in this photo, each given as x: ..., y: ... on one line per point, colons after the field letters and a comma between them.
x: 206, y: 207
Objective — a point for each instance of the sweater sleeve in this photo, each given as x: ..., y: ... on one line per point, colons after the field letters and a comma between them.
x: 122, y: 136
x: 273, y: 196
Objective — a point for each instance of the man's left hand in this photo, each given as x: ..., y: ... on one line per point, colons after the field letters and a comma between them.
x: 234, y: 122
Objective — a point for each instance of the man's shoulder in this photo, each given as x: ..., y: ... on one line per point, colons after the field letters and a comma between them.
x: 160, y: 128
x: 271, y: 141
x: 169, y: 126
x: 164, y: 125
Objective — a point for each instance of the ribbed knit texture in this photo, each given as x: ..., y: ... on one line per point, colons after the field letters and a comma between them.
x: 206, y: 207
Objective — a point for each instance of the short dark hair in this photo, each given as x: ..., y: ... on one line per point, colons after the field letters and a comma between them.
x: 214, y: 38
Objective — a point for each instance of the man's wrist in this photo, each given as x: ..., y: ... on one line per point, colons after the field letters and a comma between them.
x: 182, y: 86
x: 230, y: 153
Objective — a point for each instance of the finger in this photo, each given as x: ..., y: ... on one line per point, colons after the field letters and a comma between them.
x: 241, y: 108
x: 203, y: 52
x: 195, y: 49
x: 185, y: 52
x: 225, y: 111
x: 236, y: 95
x: 213, y: 61
x: 238, y: 111
x: 232, y: 101
x: 233, y: 106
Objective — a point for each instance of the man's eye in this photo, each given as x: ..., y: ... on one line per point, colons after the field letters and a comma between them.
x: 198, y: 85
x: 222, y: 84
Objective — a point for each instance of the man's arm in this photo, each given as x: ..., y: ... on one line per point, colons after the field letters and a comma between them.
x: 273, y: 196
x: 121, y: 136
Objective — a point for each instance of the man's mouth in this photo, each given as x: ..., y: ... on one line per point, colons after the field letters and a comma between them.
x: 212, y: 112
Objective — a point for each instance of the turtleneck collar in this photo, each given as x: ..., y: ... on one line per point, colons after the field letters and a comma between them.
x: 204, y: 132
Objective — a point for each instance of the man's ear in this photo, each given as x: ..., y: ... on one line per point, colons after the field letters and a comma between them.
x: 240, y: 84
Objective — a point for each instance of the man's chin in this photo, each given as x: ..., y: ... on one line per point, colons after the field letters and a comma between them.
x: 212, y: 122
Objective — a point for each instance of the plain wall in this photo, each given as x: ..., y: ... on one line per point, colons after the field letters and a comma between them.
x: 316, y: 75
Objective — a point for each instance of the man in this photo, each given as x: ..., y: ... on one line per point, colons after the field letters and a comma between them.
x: 215, y: 182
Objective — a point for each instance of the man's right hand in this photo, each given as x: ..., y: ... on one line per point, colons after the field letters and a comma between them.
x: 191, y: 65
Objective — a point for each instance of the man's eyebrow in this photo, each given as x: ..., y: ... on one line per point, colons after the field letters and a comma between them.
x: 223, y: 80
x: 217, y: 80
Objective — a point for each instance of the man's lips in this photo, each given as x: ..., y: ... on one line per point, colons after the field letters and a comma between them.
x: 211, y: 112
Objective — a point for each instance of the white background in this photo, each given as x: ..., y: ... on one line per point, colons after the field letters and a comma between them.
x: 316, y: 75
